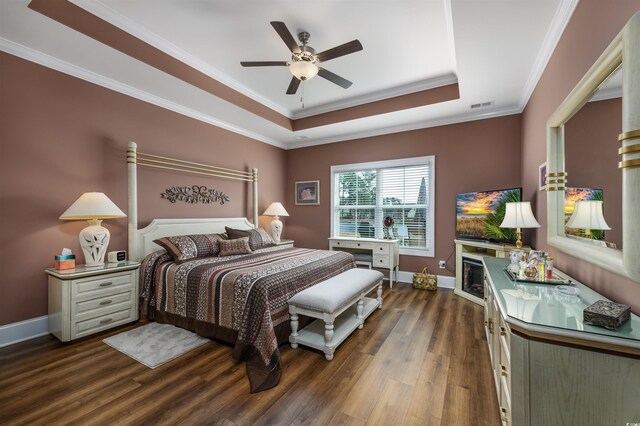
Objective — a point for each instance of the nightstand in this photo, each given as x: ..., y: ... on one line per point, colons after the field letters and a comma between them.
x: 89, y: 299
x: 285, y: 243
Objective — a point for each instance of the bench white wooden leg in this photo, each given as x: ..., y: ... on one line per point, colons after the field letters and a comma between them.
x: 328, y: 340
x: 380, y: 295
x: 359, y: 310
x: 294, y: 326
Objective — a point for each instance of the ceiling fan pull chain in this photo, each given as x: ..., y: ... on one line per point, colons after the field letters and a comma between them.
x: 302, y: 95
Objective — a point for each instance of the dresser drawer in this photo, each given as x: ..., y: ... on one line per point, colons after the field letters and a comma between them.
x: 359, y: 245
x: 94, y: 287
x: 505, y: 334
x: 381, y: 249
x: 381, y: 261
x: 104, y: 322
x: 101, y: 305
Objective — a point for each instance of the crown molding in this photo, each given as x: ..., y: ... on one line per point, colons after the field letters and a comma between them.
x: 106, y: 13
x: 416, y: 125
x: 51, y: 62
x: 393, y: 92
x: 556, y: 29
x: 448, y: 16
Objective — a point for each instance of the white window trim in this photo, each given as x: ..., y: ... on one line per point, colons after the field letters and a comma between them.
x: 403, y: 162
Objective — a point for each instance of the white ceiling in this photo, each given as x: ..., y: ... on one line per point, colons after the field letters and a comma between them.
x: 496, y: 50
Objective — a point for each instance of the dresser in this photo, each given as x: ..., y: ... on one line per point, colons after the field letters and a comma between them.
x: 86, y: 300
x: 385, y: 254
x: 550, y: 368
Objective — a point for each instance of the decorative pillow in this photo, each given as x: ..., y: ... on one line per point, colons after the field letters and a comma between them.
x: 187, y: 247
x: 235, y: 246
x: 258, y: 238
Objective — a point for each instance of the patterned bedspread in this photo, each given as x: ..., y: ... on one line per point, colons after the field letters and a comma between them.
x: 241, y: 300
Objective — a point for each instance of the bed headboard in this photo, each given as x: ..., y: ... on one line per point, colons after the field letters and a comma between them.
x: 141, y: 241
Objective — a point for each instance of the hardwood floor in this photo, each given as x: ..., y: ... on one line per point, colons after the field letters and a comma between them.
x: 421, y: 360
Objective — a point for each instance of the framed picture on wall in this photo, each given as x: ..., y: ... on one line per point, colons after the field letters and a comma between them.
x: 542, y: 176
x: 308, y: 193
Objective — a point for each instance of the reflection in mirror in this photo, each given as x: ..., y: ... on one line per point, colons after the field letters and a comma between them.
x: 623, y: 260
x: 591, y: 163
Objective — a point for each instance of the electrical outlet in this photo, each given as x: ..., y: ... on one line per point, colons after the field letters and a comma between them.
x: 441, y: 264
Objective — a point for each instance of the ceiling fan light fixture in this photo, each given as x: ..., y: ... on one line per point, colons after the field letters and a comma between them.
x: 303, y: 70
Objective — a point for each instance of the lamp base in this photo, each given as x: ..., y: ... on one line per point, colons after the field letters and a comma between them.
x: 94, y: 240
x: 518, y: 238
x: 276, y: 229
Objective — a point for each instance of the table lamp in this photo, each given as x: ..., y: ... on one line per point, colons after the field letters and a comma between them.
x: 94, y: 239
x: 588, y: 215
x: 276, y: 209
x: 518, y: 216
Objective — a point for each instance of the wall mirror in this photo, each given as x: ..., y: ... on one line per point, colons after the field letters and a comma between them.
x: 593, y: 152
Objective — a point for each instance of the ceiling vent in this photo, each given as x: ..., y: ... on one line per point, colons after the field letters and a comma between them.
x: 482, y: 105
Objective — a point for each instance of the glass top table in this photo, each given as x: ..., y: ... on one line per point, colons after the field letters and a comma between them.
x: 545, y: 305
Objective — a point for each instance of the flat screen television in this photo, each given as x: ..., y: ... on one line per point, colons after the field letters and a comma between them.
x: 479, y: 214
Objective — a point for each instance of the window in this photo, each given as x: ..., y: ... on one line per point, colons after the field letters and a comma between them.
x: 362, y: 195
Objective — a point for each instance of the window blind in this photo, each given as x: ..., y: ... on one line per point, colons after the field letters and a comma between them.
x: 363, y: 198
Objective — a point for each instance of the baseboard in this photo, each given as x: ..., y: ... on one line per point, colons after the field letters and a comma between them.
x: 443, y: 281
x: 23, y: 330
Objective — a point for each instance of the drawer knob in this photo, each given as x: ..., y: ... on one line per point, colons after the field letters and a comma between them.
x: 106, y: 321
x: 107, y: 284
x: 106, y: 302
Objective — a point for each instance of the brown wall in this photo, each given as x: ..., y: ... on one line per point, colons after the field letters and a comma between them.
x: 473, y: 156
x: 61, y: 136
x: 592, y: 27
x: 592, y: 163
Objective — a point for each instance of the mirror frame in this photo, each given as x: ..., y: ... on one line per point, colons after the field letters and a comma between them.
x: 625, y: 47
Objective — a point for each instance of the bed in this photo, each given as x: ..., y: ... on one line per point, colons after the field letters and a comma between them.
x: 240, y: 300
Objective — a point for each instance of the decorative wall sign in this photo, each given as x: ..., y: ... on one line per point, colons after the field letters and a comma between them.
x: 195, y: 194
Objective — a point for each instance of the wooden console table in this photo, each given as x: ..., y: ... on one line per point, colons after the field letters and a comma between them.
x: 385, y: 254
x: 548, y: 366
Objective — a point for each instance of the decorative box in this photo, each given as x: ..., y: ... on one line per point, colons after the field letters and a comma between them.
x: 606, y: 314
x: 65, y: 262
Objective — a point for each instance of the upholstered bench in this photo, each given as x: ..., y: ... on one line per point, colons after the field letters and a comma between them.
x: 340, y: 305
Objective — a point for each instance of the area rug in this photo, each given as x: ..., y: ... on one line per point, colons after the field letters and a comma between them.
x: 154, y: 344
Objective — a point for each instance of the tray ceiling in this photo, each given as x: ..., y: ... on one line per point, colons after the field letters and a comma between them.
x: 494, y: 50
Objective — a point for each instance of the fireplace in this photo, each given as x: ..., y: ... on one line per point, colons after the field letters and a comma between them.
x: 473, y: 277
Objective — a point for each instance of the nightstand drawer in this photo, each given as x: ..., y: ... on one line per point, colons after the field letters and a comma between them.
x: 103, y: 285
x: 381, y: 249
x: 100, y: 305
x: 104, y: 322
x: 380, y: 261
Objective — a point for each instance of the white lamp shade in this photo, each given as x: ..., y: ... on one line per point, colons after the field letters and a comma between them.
x: 276, y: 209
x: 587, y: 215
x: 92, y: 205
x: 303, y: 70
x: 519, y: 215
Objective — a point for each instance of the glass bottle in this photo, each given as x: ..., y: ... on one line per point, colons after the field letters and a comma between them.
x: 549, y: 267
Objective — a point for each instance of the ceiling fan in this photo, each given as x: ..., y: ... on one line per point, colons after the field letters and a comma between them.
x: 304, y: 59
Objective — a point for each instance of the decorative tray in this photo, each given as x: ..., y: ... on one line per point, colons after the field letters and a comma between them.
x: 553, y: 281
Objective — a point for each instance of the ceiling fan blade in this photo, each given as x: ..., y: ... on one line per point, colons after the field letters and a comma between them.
x: 263, y: 64
x: 293, y: 86
x: 334, y: 78
x: 286, y: 36
x: 343, y: 49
